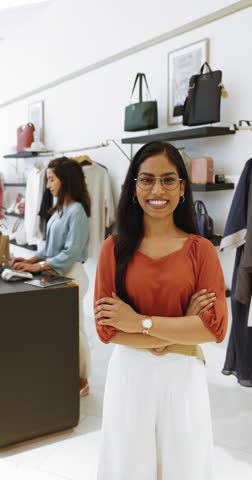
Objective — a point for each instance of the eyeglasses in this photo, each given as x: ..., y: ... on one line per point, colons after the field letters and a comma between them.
x: 146, y: 182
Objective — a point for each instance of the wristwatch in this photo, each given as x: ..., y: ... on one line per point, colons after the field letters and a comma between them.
x: 146, y: 324
x: 42, y: 265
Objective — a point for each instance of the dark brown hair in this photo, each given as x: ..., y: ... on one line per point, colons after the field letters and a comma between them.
x: 73, y: 183
x: 130, y: 225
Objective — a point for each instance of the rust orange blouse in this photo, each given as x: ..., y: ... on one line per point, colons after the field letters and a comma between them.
x: 163, y: 287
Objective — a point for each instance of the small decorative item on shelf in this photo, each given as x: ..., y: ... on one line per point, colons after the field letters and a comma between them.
x: 36, y: 147
x: 202, y: 170
x: 220, y: 178
x: 17, y: 206
x: 24, y: 137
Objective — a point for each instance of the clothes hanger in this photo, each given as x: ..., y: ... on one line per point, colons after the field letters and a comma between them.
x: 83, y: 160
x: 39, y: 166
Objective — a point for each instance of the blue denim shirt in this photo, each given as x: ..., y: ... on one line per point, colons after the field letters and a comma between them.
x: 67, y: 238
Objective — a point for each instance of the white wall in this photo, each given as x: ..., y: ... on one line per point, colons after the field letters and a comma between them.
x: 69, y: 35
x: 90, y: 108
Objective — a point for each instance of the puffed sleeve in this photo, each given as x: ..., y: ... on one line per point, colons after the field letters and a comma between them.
x: 105, y: 284
x: 210, y: 275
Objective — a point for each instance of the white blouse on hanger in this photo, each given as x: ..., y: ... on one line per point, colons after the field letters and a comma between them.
x: 102, y: 205
x: 33, y: 197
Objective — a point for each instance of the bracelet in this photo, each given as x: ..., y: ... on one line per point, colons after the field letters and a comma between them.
x: 42, y: 265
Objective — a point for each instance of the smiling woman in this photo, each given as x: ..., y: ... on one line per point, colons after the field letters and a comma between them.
x: 159, y: 293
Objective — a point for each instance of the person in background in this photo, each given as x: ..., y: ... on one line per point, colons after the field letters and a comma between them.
x: 159, y: 293
x: 67, y: 241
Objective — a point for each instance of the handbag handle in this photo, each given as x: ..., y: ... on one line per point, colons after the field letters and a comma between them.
x: 200, y: 207
x: 202, y: 68
x: 140, y: 77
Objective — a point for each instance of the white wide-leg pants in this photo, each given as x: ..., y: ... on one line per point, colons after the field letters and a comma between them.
x: 79, y: 276
x: 156, y: 418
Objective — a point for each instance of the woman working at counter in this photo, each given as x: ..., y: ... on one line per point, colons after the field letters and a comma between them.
x: 67, y: 241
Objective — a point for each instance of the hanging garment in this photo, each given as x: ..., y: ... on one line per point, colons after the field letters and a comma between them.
x: 187, y: 162
x: 46, y: 204
x: 1, y: 196
x: 33, y: 197
x: 239, y: 353
x: 102, y: 205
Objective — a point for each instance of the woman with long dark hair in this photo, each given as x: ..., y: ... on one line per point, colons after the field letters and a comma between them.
x: 67, y: 241
x: 159, y: 293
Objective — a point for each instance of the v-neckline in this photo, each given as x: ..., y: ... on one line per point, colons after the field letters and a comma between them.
x: 169, y: 254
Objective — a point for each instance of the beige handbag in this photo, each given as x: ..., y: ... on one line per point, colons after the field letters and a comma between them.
x: 4, y: 249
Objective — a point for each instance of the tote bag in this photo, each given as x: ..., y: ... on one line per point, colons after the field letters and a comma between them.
x: 142, y: 115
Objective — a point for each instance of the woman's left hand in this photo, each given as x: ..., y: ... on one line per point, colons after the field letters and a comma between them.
x: 116, y: 313
x: 28, y: 267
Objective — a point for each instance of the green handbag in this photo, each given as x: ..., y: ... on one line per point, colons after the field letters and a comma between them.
x: 142, y: 115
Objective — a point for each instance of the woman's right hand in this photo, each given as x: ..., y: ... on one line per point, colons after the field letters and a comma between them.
x: 16, y: 260
x: 200, y: 302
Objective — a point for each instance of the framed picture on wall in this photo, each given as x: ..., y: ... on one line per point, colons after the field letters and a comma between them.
x: 182, y: 64
x: 36, y: 116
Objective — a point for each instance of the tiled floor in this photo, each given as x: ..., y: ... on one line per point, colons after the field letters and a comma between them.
x: 73, y: 454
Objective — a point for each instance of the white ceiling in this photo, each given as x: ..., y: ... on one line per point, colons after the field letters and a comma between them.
x: 14, y: 14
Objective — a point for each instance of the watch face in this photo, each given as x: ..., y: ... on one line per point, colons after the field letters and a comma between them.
x: 147, y: 323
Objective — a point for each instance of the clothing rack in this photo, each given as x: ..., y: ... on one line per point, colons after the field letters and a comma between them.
x: 93, y: 147
x: 242, y: 125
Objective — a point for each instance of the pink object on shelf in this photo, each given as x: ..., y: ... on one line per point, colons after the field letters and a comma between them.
x: 202, y: 170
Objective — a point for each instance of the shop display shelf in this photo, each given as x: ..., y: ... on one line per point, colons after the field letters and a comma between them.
x: 27, y: 154
x: 188, y: 133
x: 14, y: 184
x: 29, y: 247
x: 211, y: 187
x: 18, y: 215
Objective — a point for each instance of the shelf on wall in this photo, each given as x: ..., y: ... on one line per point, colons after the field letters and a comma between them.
x: 12, y: 214
x: 28, y: 247
x: 15, y: 184
x: 210, y: 187
x: 199, y: 132
x: 28, y: 154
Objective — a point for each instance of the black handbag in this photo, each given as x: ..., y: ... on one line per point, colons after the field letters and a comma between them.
x: 142, y: 115
x: 205, y: 223
x: 202, y: 104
